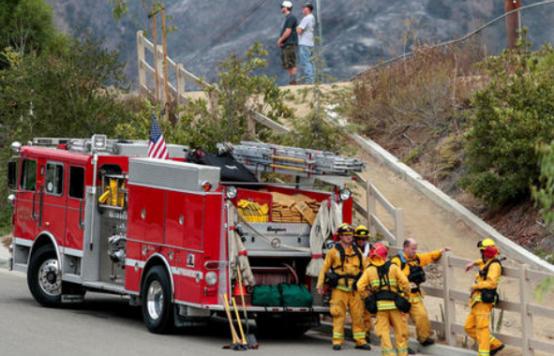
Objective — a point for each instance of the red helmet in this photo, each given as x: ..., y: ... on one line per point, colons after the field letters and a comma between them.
x: 379, y: 250
x: 490, y: 252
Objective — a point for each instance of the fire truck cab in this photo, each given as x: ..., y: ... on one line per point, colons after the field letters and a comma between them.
x: 97, y: 215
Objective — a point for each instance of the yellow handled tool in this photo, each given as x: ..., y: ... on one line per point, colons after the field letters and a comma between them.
x: 251, y: 338
x: 242, y: 337
x: 236, y: 340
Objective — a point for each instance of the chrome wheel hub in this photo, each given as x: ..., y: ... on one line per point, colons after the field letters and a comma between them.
x: 50, y: 277
x: 155, y: 300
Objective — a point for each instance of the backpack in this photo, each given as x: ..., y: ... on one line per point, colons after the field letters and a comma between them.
x: 357, y: 252
x: 417, y: 273
x: 332, y: 278
x: 294, y: 295
x: 401, y: 303
x: 489, y: 295
x: 266, y: 296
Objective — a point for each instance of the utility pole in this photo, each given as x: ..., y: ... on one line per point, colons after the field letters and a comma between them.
x: 319, y: 23
x: 165, y: 68
x: 154, y: 25
x: 513, y: 22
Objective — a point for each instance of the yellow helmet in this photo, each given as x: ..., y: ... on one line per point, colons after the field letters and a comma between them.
x: 345, y: 229
x: 488, y: 242
x: 361, y: 232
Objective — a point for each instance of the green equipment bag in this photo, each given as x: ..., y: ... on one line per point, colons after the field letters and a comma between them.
x: 295, y: 295
x: 266, y: 296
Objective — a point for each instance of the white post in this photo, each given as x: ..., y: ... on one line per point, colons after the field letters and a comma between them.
x: 159, y: 55
x: 180, y: 76
x: 399, y: 226
x: 525, y: 289
x: 449, y: 305
x: 141, y: 59
x: 371, y: 208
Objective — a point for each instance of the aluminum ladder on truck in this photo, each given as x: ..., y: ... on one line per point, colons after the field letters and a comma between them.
x: 269, y: 158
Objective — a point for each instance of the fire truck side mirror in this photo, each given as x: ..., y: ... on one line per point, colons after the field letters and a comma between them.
x: 12, y: 175
x: 11, y: 199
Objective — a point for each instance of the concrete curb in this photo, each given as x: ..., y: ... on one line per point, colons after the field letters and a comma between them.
x: 508, y: 247
x: 437, y: 349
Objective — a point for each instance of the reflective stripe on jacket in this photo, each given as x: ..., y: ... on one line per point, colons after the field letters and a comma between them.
x: 369, y: 283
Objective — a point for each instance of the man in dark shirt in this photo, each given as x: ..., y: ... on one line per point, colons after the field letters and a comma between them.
x: 288, y: 41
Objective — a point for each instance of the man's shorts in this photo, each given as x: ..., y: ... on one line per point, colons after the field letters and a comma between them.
x: 288, y: 56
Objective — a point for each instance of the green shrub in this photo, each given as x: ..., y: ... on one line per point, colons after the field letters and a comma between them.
x: 544, y: 192
x: 511, y: 116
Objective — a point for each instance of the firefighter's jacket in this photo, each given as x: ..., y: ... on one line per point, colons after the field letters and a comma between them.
x: 422, y: 260
x: 490, y: 281
x: 369, y: 283
x: 350, y: 269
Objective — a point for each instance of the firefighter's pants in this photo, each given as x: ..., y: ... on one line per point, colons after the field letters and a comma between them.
x: 399, y: 323
x: 342, y: 301
x: 419, y: 316
x: 367, y: 323
x: 477, y: 327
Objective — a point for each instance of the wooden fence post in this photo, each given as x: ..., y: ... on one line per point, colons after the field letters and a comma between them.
x: 251, y: 125
x: 449, y: 304
x: 159, y: 55
x: 180, y: 77
x: 526, y: 317
x: 141, y: 59
x: 371, y: 208
x: 399, y: 226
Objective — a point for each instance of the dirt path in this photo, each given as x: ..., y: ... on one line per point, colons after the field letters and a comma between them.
x: 435, y: 228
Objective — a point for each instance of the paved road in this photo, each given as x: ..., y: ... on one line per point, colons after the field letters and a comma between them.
x: 107, y: 325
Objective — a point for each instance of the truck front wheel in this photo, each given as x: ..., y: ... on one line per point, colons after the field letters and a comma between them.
x: 44, y: 277
x: 157, y: 309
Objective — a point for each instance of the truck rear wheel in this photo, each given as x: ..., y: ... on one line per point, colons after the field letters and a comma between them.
x: 157, y: 309
x: 44, y: 277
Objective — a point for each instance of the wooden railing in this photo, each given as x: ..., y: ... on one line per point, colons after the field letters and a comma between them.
x: 525, y: 306
x: 178, y: 77
x: 377, y: 227
x: 450, y: 292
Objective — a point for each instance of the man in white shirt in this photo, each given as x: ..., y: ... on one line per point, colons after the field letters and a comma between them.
x: 306, y: 43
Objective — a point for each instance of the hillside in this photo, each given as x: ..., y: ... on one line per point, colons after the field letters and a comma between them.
x: 356, y: 33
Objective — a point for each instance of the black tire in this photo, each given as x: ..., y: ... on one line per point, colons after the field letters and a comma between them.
x: 40, y: 256
x: 164, y: 322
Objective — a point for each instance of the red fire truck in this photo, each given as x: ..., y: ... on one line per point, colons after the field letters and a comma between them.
x: 97, y: 215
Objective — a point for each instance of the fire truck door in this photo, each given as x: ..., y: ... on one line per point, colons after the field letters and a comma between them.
x: 53, y: 200
x: 74, y: 214
x: 26, y: 217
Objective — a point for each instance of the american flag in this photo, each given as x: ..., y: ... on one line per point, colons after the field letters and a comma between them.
x: 157, y: 147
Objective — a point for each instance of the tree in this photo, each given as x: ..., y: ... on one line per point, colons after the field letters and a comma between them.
x: 512, y: 116
x: 71, y: 93
x: 26, y: 26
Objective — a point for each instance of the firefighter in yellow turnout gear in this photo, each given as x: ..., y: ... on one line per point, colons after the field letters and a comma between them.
x: 361, y: 236
x: 342, y: 268
x: 483, y: 298
x: 384, y: 282
x: 411, y: 263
